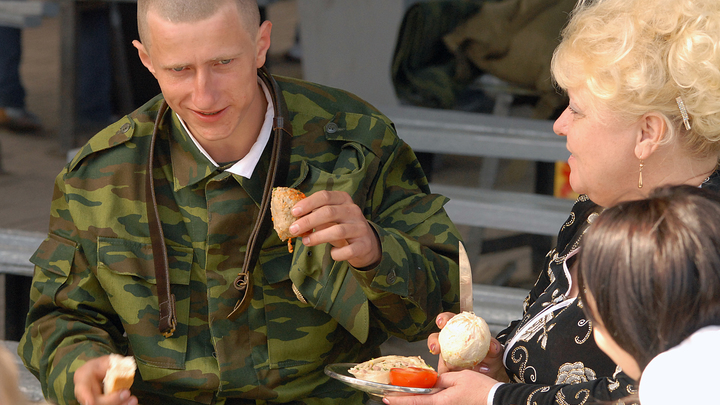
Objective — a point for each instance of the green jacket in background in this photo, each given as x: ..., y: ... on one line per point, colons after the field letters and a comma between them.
x: 94, y: 290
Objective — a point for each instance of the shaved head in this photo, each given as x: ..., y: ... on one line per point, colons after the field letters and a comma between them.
x: 178, y: 11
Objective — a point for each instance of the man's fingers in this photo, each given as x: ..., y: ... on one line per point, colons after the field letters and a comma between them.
x: 319, y: 199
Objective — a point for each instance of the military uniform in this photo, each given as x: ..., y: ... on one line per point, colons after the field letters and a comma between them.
x: 95, y: 290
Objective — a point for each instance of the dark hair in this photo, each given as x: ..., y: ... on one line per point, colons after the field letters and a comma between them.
x: 653, y: 267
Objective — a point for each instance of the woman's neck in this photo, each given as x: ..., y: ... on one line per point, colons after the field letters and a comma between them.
x: 672, y: 168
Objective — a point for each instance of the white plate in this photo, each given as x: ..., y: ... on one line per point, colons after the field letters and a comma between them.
x: 340, y: 372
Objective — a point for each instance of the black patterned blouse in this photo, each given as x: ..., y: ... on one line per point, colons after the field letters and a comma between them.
x: 550, y: 354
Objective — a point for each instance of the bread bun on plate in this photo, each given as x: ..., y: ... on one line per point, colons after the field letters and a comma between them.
x: 378, y: 369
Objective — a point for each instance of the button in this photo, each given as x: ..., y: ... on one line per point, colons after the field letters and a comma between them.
x: 125, y: 127
x: 391, y: 277
x: 331, y: 128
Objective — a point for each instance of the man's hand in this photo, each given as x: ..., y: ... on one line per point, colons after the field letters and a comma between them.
x: 332, y: 217
x: 89, y: 385
x: 491, y: 365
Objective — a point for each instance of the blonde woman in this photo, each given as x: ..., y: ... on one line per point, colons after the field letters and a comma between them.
x: 643, y: 78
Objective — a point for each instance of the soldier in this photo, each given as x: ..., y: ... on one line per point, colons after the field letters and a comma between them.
x: 160, y: 244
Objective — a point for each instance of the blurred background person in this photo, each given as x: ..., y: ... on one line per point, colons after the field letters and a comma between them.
x: 13, y: 114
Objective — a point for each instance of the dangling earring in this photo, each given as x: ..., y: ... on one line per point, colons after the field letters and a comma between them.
x: 640, y: 182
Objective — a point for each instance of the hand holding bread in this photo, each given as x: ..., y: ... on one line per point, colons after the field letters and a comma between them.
x: 105, y: 380
x: 331, y: 217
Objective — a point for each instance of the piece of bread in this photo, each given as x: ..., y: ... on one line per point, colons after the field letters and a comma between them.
x: 465, y: 340
x: 378, y: 369
x: 121, y: 373
x: 281, y: 203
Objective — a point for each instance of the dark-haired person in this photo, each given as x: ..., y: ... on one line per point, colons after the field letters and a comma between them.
x: 649, y: 275
x: 161, y: 244
x: 642, y: 77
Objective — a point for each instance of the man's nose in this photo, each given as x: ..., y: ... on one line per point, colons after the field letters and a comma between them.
x: 204, y: 91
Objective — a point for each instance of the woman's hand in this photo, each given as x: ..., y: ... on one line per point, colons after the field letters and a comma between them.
x: 491, y: 365
x: 88, y: 381
x: 461, y: 387
x: 332, y: 217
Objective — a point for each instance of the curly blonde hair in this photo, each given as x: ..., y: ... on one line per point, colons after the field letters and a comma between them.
x: 638, y: 56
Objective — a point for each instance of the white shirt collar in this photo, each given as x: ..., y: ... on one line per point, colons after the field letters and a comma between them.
x: 245, y: 166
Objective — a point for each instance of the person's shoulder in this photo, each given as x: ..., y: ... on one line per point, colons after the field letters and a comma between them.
x: 309, y: 97
x: 136, y: 127
x: 337, y: 115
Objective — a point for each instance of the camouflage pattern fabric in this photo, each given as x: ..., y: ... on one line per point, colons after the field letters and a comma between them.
x: 94, y: 290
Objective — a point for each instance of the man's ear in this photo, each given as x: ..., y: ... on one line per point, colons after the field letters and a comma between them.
x: 263, y: 42
x: 651, y: 132
x: 144, y: 56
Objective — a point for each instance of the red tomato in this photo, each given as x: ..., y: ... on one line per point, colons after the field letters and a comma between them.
x: 413, y: 377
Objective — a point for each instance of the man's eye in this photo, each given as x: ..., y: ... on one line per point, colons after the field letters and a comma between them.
x: 178, y: 69
x: 225, y: 61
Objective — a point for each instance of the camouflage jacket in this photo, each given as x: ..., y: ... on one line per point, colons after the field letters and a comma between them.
x: 94, y: 289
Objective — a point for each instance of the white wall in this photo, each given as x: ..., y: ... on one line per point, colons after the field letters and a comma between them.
x: 349, y: 44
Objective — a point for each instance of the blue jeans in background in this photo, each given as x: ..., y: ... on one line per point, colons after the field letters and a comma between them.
x: 12, y: 93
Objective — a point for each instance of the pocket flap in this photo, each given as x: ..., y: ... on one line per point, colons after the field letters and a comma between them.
x: 132, y: 258
x: 55, y: 254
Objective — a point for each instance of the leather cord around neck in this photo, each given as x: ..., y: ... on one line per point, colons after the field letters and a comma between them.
x: 277, y: 174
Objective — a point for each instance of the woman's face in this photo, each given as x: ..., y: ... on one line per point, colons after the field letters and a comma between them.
x: 608, y: 345
x: 603, y: 163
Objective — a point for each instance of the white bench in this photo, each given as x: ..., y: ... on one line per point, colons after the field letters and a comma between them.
x: 488, y: 136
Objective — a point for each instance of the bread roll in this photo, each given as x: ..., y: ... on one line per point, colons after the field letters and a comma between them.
x: 282, y: 201
x: 465, y: 340
x: 120, y: 375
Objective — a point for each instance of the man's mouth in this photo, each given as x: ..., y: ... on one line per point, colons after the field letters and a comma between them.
x: 209, y: 113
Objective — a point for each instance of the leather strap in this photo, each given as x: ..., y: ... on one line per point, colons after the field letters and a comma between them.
x: 166, y: 300
x: 277, y: 173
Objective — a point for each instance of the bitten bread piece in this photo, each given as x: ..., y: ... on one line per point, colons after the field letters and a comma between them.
x: 120, y: 375
x: 283, y: 199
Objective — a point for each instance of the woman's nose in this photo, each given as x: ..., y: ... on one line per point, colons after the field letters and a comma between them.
x: 560, y: 125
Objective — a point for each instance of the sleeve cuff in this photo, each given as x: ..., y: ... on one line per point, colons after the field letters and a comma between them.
x: 491, y: 393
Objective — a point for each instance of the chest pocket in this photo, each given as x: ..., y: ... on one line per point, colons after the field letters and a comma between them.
x: 350, y: 173
x: 126, y: 271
